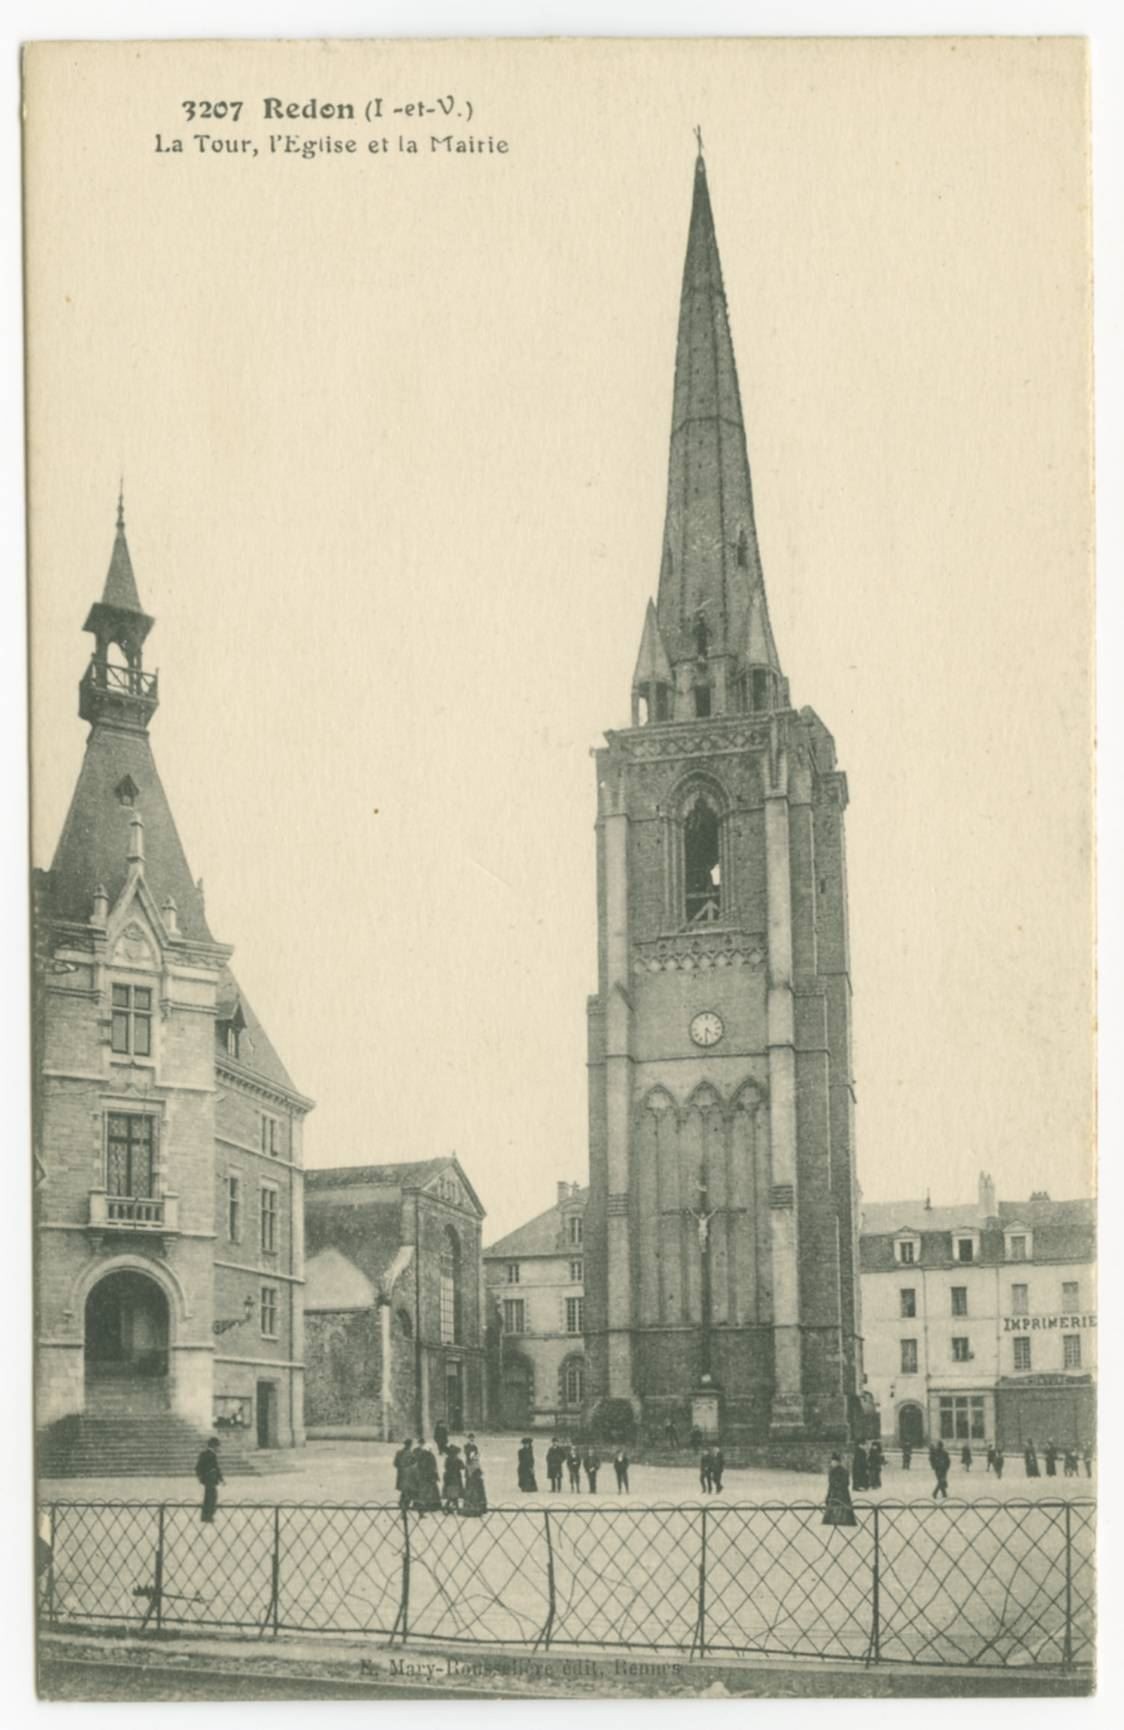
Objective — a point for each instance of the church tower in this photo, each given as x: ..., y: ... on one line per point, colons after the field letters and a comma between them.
x: 721, y: 1265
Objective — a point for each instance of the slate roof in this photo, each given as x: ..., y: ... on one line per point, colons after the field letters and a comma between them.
x: 540, y: 1236
x: 405, y: 1173
x: 1062, y: 1231
x: 120, y: 584
x: 94, y: 842
x: 256, y: 1051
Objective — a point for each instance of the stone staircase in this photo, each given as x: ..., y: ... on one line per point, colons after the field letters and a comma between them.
x: 127, y: 1445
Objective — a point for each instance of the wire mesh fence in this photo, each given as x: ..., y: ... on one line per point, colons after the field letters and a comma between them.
x: 989, y: 1584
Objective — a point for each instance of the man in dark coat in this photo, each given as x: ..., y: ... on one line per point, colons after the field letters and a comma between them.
x: 401, y: 1466
x: 859, y: 1477
x: 1071, y: 1462
x: 706, y: 1470
x: 717, y: 1466
x: 1087, y: 1457
x: 453, y: 1483
x: 525, y: 1465
x: 998, y: 1462
x: 966, y: 1456
x: 592, y: 1464
x: 1051, y: 1460
x: 574, y: 1467
x: 555, y: 1455
x: 441, y: 1436
x: 620, y: 1467
x: 1030, y: 1455
x: 941, y: 1465
x: 875, y: 1460
x: 907, y: 1456
x: 209, y: 1473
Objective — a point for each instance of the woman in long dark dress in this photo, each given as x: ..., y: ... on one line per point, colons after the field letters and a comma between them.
x: 453, y: 1485
x: 837, y: 1509
x: 525, y: 1468
x: 1030, y: 1455
x: 429, y: 1495
x: 475, y: 1497
x: 875, y: 1461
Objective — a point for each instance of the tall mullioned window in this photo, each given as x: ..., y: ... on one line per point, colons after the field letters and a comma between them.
x: 234, y: 1207
x: 1022, y: 1353
x: 130, y: 1154
x: 131, y: 1033
x: 909, y: 1357
x: 1071, y: 1351
x: 450, y: 1296
x: 268, y: 1311
x: 574, y: 1312
x: 268, y: 1219
x: 514, y: 1316
x: 701, y: 868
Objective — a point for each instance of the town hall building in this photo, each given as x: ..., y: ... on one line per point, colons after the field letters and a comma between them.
x: 720, y: 1231
x: 169, y: 1200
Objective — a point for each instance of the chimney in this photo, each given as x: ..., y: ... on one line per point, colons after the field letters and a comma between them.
x: 101, y: 905
x: 987, y: 1195
x: 171, y: 917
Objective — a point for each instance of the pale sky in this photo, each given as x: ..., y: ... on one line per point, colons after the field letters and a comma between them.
x: 394, y: 434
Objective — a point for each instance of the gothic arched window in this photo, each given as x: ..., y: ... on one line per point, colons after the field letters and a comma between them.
x: 450, y: 1276
x: 702, y: 872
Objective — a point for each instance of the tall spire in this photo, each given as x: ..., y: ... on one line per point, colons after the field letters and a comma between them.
x: 711, y: 587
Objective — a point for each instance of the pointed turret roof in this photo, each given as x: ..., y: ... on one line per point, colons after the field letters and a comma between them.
x: 711, y: 563
x: 652, y: 664
x: 120, y: 596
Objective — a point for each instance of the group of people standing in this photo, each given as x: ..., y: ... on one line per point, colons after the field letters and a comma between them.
x: 1051, y: 1454
x: 566, y: 1458
x: 457, y: 1487
x: 866, y: 1466
x: 712, y: 1464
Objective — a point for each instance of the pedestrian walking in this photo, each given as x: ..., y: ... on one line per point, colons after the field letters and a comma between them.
x: 620, y: 1467
x: 1071, y: 1462
x: 441, y: 1436
x: 453, y: 1485
x: 1087, y: 1457
x: 209, y: 1473
x: 718, y: 1466
x: 1051, y: 1460
x: 999, y: 1462
x: 860, y: 1479
x: 574, y: 1467
x: 525, y: 1466
x: 592, y: 1465
x: 907, y: 1456
x: 475, y: 1496
x: 706, y: 1470
x: 838, y: 1510
x: 966, y: 1457
x: 990, y: 1461
x: 401, y: 1466
x: 1030, y: 1456
x: 875, y: 1460
x: 941, y: 1466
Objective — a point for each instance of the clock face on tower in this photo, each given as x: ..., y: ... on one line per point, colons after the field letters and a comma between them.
x: 707, y: 1028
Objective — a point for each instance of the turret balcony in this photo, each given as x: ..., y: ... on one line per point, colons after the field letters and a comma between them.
x: 143, y: 1215
x: 108, y: 688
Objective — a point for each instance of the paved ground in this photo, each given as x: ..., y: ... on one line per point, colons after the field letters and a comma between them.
x: 363, y: 1472
x: 318, y: 1546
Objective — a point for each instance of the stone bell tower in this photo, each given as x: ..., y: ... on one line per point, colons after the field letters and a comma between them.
x: 721, y: 1264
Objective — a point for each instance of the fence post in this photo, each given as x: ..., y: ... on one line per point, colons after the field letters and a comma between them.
x: 1067, y: 1646
x: 548, y: 1626
x: 874, y: 1652
x: 698, y: 1639
x: 276, y: 1569
x: 52, y: 1532
x: 158, y: 1579
x: 403, y: 1615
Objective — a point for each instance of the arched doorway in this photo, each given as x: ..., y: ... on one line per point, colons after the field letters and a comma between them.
x: 126, y: 1340
x: 517, y: 1393
x: 911, y: 1426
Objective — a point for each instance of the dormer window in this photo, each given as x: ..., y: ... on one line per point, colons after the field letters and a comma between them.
x: 131, y: 1033
x: 1017, y: 1243
x: 907, y: 1249
x: 231, y: 1038
x: 965, y: 1246
x: 127, y: 791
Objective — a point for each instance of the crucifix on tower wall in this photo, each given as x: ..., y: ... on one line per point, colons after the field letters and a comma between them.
x: 702, y: 1216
